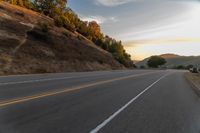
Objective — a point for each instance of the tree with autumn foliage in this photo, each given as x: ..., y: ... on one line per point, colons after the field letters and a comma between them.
x: 22, y: 3
x: 95, y: 31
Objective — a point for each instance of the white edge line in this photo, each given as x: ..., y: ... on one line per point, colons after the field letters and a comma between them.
x: 28, y: 98
x: 45, y: 79
x: 50, y: 79
x: 44, y: 74
x: 38, y: 80
x: 104, y: 123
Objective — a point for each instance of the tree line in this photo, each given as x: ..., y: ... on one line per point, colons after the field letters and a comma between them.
x: 65, y: 17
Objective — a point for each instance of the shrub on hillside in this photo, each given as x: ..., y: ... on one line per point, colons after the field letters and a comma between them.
x: 41, y: 70
x: 23, y: 3
x: 67, y: 34
x: 62, y: 21
x: 44, y: 26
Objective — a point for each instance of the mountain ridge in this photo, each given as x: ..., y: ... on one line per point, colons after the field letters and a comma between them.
x: 174, y: 60
x: 169, y: 55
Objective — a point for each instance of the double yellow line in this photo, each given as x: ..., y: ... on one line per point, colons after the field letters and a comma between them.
x: 47, y: 94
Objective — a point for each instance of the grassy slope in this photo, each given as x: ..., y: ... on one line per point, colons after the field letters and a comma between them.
x: 194, y: 79
x: 25, y: 48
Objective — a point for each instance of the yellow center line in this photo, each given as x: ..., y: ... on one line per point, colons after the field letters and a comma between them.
x: 47, y: 94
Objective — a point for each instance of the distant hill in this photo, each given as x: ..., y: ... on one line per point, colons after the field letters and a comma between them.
x: 31, y: 43
x: 174, y: 60
x: 169, y: 56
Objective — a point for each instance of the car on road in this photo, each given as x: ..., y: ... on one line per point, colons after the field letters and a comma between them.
x: 190, y: 69
x: 194, y: 70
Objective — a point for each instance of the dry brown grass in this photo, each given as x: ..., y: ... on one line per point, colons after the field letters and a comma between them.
x: 194, y: 79
x: 4, y: 58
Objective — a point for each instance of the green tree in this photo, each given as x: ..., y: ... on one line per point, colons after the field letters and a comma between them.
x: 156, y: 61
x: 189, y: 66
x: 181, y: 67
x: 50, y: 8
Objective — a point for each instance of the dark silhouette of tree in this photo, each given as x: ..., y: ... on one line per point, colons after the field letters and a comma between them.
x: 156, y: 61
x: 189, y: 66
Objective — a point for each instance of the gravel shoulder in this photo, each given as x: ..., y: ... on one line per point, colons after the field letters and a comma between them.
x: 194, y: 80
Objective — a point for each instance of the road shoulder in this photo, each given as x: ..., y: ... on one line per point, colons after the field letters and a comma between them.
x: 194, y: 80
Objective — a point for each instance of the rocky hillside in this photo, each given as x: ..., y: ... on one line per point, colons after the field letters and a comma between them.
x: 31, y: 43
x: 175, y: 60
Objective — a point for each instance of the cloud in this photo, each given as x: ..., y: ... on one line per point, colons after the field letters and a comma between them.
x: 121, y: 2
x: 112, y: 2
x: 99, y: 19
x: 113, y: 19
x: 161, y: 41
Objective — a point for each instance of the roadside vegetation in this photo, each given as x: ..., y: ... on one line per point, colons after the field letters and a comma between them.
x: 63, y: 16
x: 183, y: 67
x: 194, y: 79
x: 156, y: 61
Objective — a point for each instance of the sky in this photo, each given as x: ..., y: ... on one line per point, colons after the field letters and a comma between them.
x: 146, y: 27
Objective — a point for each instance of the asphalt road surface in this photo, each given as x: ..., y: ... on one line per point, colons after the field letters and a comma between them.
x: 128, y: 101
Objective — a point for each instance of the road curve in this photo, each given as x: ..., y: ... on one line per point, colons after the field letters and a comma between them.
x: 129, y: 101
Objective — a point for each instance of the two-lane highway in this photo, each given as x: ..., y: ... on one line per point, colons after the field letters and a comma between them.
x: 129, y: 101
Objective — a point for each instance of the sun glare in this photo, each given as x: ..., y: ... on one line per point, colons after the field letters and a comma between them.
x: 181, y: 37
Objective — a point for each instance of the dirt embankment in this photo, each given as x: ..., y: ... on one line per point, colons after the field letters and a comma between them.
x: 194, y: 79
x: 31, y: 43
